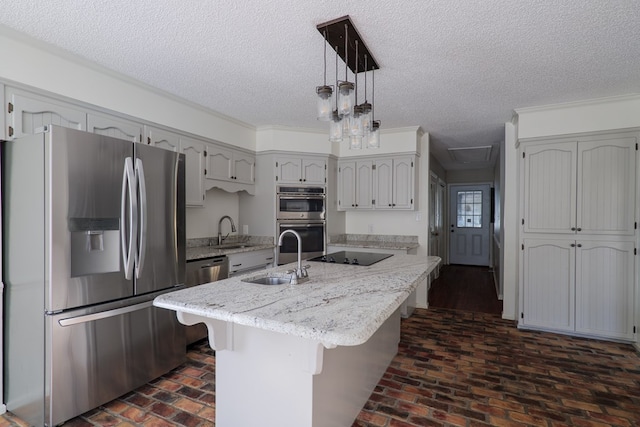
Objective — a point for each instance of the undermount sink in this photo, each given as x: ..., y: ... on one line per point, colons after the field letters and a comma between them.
x: 268, y: 280
x: 230, y: 246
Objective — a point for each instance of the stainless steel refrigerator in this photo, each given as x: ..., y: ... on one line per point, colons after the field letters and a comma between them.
x: 93, y: 230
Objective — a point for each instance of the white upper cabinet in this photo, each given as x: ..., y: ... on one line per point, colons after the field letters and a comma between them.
x: 162, y: 138
x: 585, y: 186
x: 230, y: 165
x: 114, y: 127
x: 26, y: 113
x: 194, y: 150
x: 394, y: 183
x: 301, y: 170
x: 355, y: 185
x: 377, y: 183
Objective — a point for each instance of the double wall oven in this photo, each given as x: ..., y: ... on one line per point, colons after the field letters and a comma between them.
x: 302, y: 209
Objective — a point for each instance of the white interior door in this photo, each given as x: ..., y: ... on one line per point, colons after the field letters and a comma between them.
x: 469, y: 224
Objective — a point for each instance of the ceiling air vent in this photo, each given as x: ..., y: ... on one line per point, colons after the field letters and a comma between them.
x: 471, y: 154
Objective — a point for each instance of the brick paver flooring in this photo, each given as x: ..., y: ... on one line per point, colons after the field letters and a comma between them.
x: 453, y: 368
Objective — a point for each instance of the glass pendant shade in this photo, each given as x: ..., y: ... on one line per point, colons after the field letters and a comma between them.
x: 325, y: 97
x: 346, y: 96
x: 355, y: 122
x: 355, y: 142
x: 373, y: 140
x: 365, y: 113
x: 335, y: 127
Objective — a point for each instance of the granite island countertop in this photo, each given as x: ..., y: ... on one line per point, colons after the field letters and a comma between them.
x: 339, y: 305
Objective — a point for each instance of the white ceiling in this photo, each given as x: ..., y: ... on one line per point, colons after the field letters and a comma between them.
x: 457, y: 68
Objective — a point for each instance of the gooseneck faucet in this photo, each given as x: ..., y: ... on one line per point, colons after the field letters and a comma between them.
x: 233, y: 228
x: 300, y: 272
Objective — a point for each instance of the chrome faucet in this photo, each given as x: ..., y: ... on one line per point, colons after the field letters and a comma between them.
x: 233, y: 228
x: 299, y: 274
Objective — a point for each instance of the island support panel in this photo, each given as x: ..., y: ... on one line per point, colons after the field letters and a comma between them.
x: 266, y: 378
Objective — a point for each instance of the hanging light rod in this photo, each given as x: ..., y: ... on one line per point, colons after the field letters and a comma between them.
x: 335, y: 33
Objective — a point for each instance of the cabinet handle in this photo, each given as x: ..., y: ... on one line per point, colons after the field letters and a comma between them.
x: 356, y: 205
x: 305, y: 180
x: 353, y: 206
x: 573, y: 229
x: 236, y: 265
x: 389, y: 204
x: 579, y: 245
x: 579, y: 229
x: 573, y: 245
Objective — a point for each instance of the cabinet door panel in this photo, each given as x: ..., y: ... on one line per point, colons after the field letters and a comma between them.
x: 31, y: 112
x: 219, y: 163
x: 383, y: 188
x: 549, y: 188
x: 162, y: 138
x: 604, y: 289
x: 364, y: 184
x: 346, y: 185
x: 194, y: 171
x: 548, y: 286
x: 314, y: 171
x: 244, y: 167
x: 114, y: 127
x: 606, y: 186
x: 289, y: 170
x: 402, y: 183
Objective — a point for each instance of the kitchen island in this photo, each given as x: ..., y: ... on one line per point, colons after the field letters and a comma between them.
x: 307, y: 354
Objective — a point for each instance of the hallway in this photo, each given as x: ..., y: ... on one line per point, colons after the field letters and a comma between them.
x: 464, y: 287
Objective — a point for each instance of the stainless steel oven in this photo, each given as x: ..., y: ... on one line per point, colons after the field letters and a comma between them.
x: 313, y: 238
x: 300, y: 203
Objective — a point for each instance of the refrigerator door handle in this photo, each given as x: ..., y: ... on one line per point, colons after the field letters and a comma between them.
x: 69, y: 321
x: 142, y: 241
x: 128, y: 183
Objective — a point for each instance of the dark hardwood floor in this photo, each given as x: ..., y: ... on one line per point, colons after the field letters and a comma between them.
x: 464, y: 287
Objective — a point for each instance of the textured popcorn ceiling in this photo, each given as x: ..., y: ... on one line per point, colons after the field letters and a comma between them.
x: 457, y: 68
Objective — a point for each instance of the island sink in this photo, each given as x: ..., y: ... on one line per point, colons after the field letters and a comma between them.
x: 268, y: 280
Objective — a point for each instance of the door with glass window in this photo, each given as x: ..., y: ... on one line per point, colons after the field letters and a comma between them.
x: 469, y: 223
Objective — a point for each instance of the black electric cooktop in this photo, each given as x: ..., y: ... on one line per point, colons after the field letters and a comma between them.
x: 351, y: 257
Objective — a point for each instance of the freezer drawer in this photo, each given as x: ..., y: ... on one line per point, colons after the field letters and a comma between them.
x: 93, y: 358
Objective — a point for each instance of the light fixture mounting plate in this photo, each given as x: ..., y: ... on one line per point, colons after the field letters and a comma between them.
x: 335, y: 34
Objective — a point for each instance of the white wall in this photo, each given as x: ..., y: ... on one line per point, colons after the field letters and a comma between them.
x: 281, y: 138
x: 203, y: 221
x: 575, y: 117
x: 35, y: 64
x: 407, y: 223
x: 469, y: 176
x: 509, y: 235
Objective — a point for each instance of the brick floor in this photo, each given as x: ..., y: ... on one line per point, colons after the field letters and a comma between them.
x: 453, y: 368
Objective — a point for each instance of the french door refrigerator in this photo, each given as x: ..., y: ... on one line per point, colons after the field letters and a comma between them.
x: 93, y: 230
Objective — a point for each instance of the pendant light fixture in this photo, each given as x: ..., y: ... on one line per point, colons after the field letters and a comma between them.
x: 345, y: 87
x: 336, y: 126
x: 373, y: 140
x: 324, y: 107
x: 348, y: 120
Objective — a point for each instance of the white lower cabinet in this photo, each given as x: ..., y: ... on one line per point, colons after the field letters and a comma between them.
x: 579, y: 286
x: 245, y: 262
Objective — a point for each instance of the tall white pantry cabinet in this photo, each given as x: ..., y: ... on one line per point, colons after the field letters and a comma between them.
x: 578, y: 234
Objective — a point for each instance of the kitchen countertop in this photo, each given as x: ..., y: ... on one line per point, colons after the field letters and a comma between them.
x: 200, y: 252
x: 339, y: 305
x: 374, y: 241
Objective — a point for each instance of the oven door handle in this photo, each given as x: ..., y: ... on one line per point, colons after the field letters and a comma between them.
x: 318, y: 224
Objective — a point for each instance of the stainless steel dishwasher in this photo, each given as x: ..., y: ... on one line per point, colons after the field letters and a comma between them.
x: 200, y: 271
